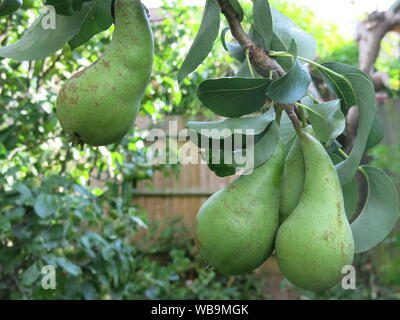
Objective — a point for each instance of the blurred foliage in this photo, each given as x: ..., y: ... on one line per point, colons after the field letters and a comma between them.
x: 390, y: 270
x: 387, y: 157
x: 98, y: 253
x: 172, y: 38
x: 334, y: 46
x: 387, y: 61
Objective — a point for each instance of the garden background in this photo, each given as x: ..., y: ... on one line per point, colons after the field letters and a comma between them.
x: 119, y: 228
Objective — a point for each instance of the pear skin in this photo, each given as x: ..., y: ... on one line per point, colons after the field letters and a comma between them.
x: 293, y: 178
x: 98, y: 105
x: 292, y: 181
x: 315, y: 242
x: 236, y: 227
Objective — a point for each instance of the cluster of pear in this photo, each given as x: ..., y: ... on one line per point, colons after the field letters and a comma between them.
x: 98, y: 105
x: 294, y: 206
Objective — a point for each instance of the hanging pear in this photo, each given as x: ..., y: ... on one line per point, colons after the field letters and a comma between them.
x: 292, y: 181
x: 236, y: 227
x: 315, y: 242
x: 98, y: 105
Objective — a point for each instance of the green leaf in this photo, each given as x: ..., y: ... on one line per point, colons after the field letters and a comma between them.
x: 45, y: 205
x: 291, y: 87
x: 66, y: 7
x: 230, y: 133
x: 63, y: 7
x: 25, y: 194
x: 256, y: 37
x: 38, y: 42
x: 81, y: 190
x: 219, y: 167
x: 52, y: 182
x: 328, y: 120
x: 350, y: 191
x: 238, y: 9
x: 98, y: 19
x: 253, y: 156
x: 265, y: 147
x: 234, y: 49
x: 233, y: 97
x: 89, y: 291
x: 244, y: 70
x: 277, y: 45
x: 238, y: 52
x: 204, y: 40
x: 77, y: 4
x: 30, y: 275
x: 9, y: 6
x: 16, y: 213
x: 377, y: 132
x: 334, y: 147
x: 287, y: 131
x: 5, y: 224
x: 139, y: 221
x: 285, y: 30
x: 256, y: 124
x: 365, y: 95
x: 350, y: 195
x: 343, y: 68
x: 293, y: 48
x: 263, y: 21
x: 380, y: 213
x: 69, y: 266
x: 339, y: 86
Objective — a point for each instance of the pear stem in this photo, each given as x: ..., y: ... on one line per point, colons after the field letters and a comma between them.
x: 343, y: 153
x: 249, y: 63
x: 289, y: 108
x: 303, y: 117
x: 312, y: 98
x: 346, y: 156
x: 278, y: 112
x: 302, y: 106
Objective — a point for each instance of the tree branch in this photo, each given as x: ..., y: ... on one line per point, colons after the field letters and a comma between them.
x: 44, y: 74
x: 370, y: 34
x: 259, y: 58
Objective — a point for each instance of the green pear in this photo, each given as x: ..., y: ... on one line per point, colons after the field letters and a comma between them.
x: 315, y: 242
x: 292, y: 181
x: 98, y: 105
x: 236, y: 227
